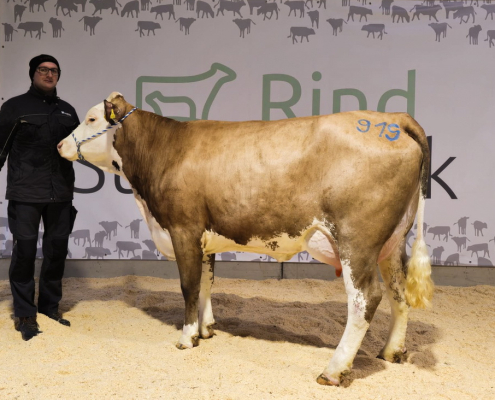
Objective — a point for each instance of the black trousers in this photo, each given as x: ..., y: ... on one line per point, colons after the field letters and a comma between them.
x: 24, y: 222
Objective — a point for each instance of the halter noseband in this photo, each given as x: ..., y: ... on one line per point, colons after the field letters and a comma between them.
x: 78, y: 144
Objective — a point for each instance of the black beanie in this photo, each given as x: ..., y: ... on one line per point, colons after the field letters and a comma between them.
x: 36, y: 61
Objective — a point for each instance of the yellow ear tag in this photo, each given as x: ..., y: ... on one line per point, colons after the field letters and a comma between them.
x: 112, y: 115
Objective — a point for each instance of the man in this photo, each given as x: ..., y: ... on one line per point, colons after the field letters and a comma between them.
x: 40, y: 186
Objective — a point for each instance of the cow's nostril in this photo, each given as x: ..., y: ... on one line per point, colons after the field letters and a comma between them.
x: 59, y: 146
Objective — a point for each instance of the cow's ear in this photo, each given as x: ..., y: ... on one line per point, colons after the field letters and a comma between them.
x: 109, y: 113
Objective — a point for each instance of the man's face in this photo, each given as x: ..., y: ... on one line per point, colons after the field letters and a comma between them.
x: 45, y: 83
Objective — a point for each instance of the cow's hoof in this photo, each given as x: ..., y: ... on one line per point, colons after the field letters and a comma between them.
x: 207, y: 332
x: 396, y: 357
x: 193, y: 343
x: 325, y: 380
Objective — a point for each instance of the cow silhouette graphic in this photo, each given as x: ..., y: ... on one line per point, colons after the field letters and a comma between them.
x: 82, y: 234
x: 99, y: 238
x: 464, y: 12
x: 474, y: 248
x: 32, y: 27
x: 127, y: 246
x: 134, y: 225
x: 336, y: 25
x: 98, y: 252
x: 82, y: 3
x: 361, y: 11
x: 301, y: 31
x: 130, y: 8
x: 296, y: 5
x: 90, y: 22
x: 440, y: 29
x: 205, y: 9
x: 385, y: 6
x: 436, y: 255
x: 218, y: 74
x: 110, y: 227
x: 401, y: 14
x: 39, y: 3
x: 268, y: 8
x: 149, y: 26
x: 478, y: 227
x: 226, y: 5
x: 452, y: 259
x: 101, y: 5
x: 430, y: 11
x: 57, y: 27
x: 18, y: 11
x: 461, y: 242
x: 164, y: 8
x: 185, y: 24
x: 254, y: 4
x: 374, y: 28
x: 490, y: 36
x: 8, y: 31
x: 462, y: 224
x: 473, y: 33
x: 452, y: 6
x: 314, y: 17
x: 244, y: 25
x: 490, y: 10
x: 66, y: 6
x: 439, y: 231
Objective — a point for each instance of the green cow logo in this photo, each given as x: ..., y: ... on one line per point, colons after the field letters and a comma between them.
x: 217, y: 75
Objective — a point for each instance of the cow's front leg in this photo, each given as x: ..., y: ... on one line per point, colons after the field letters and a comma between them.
x: 189, y: 256
x: 363, y: 297
x: 394, y: 279
x: 206, y: 320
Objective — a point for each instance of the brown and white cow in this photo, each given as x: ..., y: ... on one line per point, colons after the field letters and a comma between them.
x: 343, y: 187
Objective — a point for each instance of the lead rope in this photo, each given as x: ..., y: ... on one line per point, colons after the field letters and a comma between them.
x: 79, y: 143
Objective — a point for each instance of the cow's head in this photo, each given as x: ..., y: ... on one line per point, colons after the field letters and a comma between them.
x: 96, y: 135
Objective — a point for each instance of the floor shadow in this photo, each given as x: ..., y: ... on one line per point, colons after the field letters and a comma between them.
x: 318, y: 325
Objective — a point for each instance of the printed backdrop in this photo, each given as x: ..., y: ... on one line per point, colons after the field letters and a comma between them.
x: 259, y: 59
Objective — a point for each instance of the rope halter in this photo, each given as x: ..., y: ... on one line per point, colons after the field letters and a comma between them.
x: 112, y: 125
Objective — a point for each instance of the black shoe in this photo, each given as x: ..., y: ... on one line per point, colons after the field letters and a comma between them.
x: 28, y: 327
x: 58, y: 317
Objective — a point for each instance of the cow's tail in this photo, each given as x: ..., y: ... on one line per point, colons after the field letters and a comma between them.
x: 419, y: 285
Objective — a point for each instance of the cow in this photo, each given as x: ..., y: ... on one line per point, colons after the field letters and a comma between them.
x: 431, y: 11
x: 57, y: 27
x: 401, y: 14
x: 204, y: 8
x: 314, y: 17
x: 129, y: 8
x: 462, y: 224
x: 164, y: 8
x: 300, y: 31
x: 105, y: 5
x: 490, y: 10
x: 385, y: 6
x: 268, y: 8
x: 361, y: 11
x: 32, y: 27
x: 255, y: 3
x: 440, y: 29
x: 374, y: 28
x: 134, y: 225
x: 98, y: 252
x: 110, y: 227
x: 8, y: 31
x: 474, y: 248
x: 66, y: 5
x: 39, y: 3
x: 336, y: 24
x: 464, y: 12
x: 90, y: 22
x: 460, y: 242
x: 81, y: 234
x: 243, y: 25
x: 490, y: 37
x: 126, y: 246
x: 99, y: 238
x: 452, y: 6
x: 185, y: 24
x: 82, y: 3
x: 295, y: 5
x: 18, y: 11
x: 473, y: 34
x: 234, y: 6
x: 329, y: 185
x: 439, y: 231
x: 147, y: 25
x: 478, y: 227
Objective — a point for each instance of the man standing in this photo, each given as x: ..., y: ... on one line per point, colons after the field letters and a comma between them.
x: 40, y: 186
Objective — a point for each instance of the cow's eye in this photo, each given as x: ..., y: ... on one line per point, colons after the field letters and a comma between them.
x: 92, y: 120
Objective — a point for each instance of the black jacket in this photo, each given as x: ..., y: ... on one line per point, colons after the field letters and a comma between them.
x: 31, y: 126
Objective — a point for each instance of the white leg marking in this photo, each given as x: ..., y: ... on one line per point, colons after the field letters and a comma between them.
x: 189, y: 337
x: 355, y: 330
x: 206, y: 319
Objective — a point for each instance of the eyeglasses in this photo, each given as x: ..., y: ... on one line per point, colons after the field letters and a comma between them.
x: 45, y: 70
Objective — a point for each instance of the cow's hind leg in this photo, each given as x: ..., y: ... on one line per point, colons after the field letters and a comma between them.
x: 189, y: 262
x: 206, y: 320
x: 394, y: 278
x: 363, y: 296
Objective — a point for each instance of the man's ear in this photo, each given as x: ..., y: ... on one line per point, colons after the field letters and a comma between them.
x: 109, y: 113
